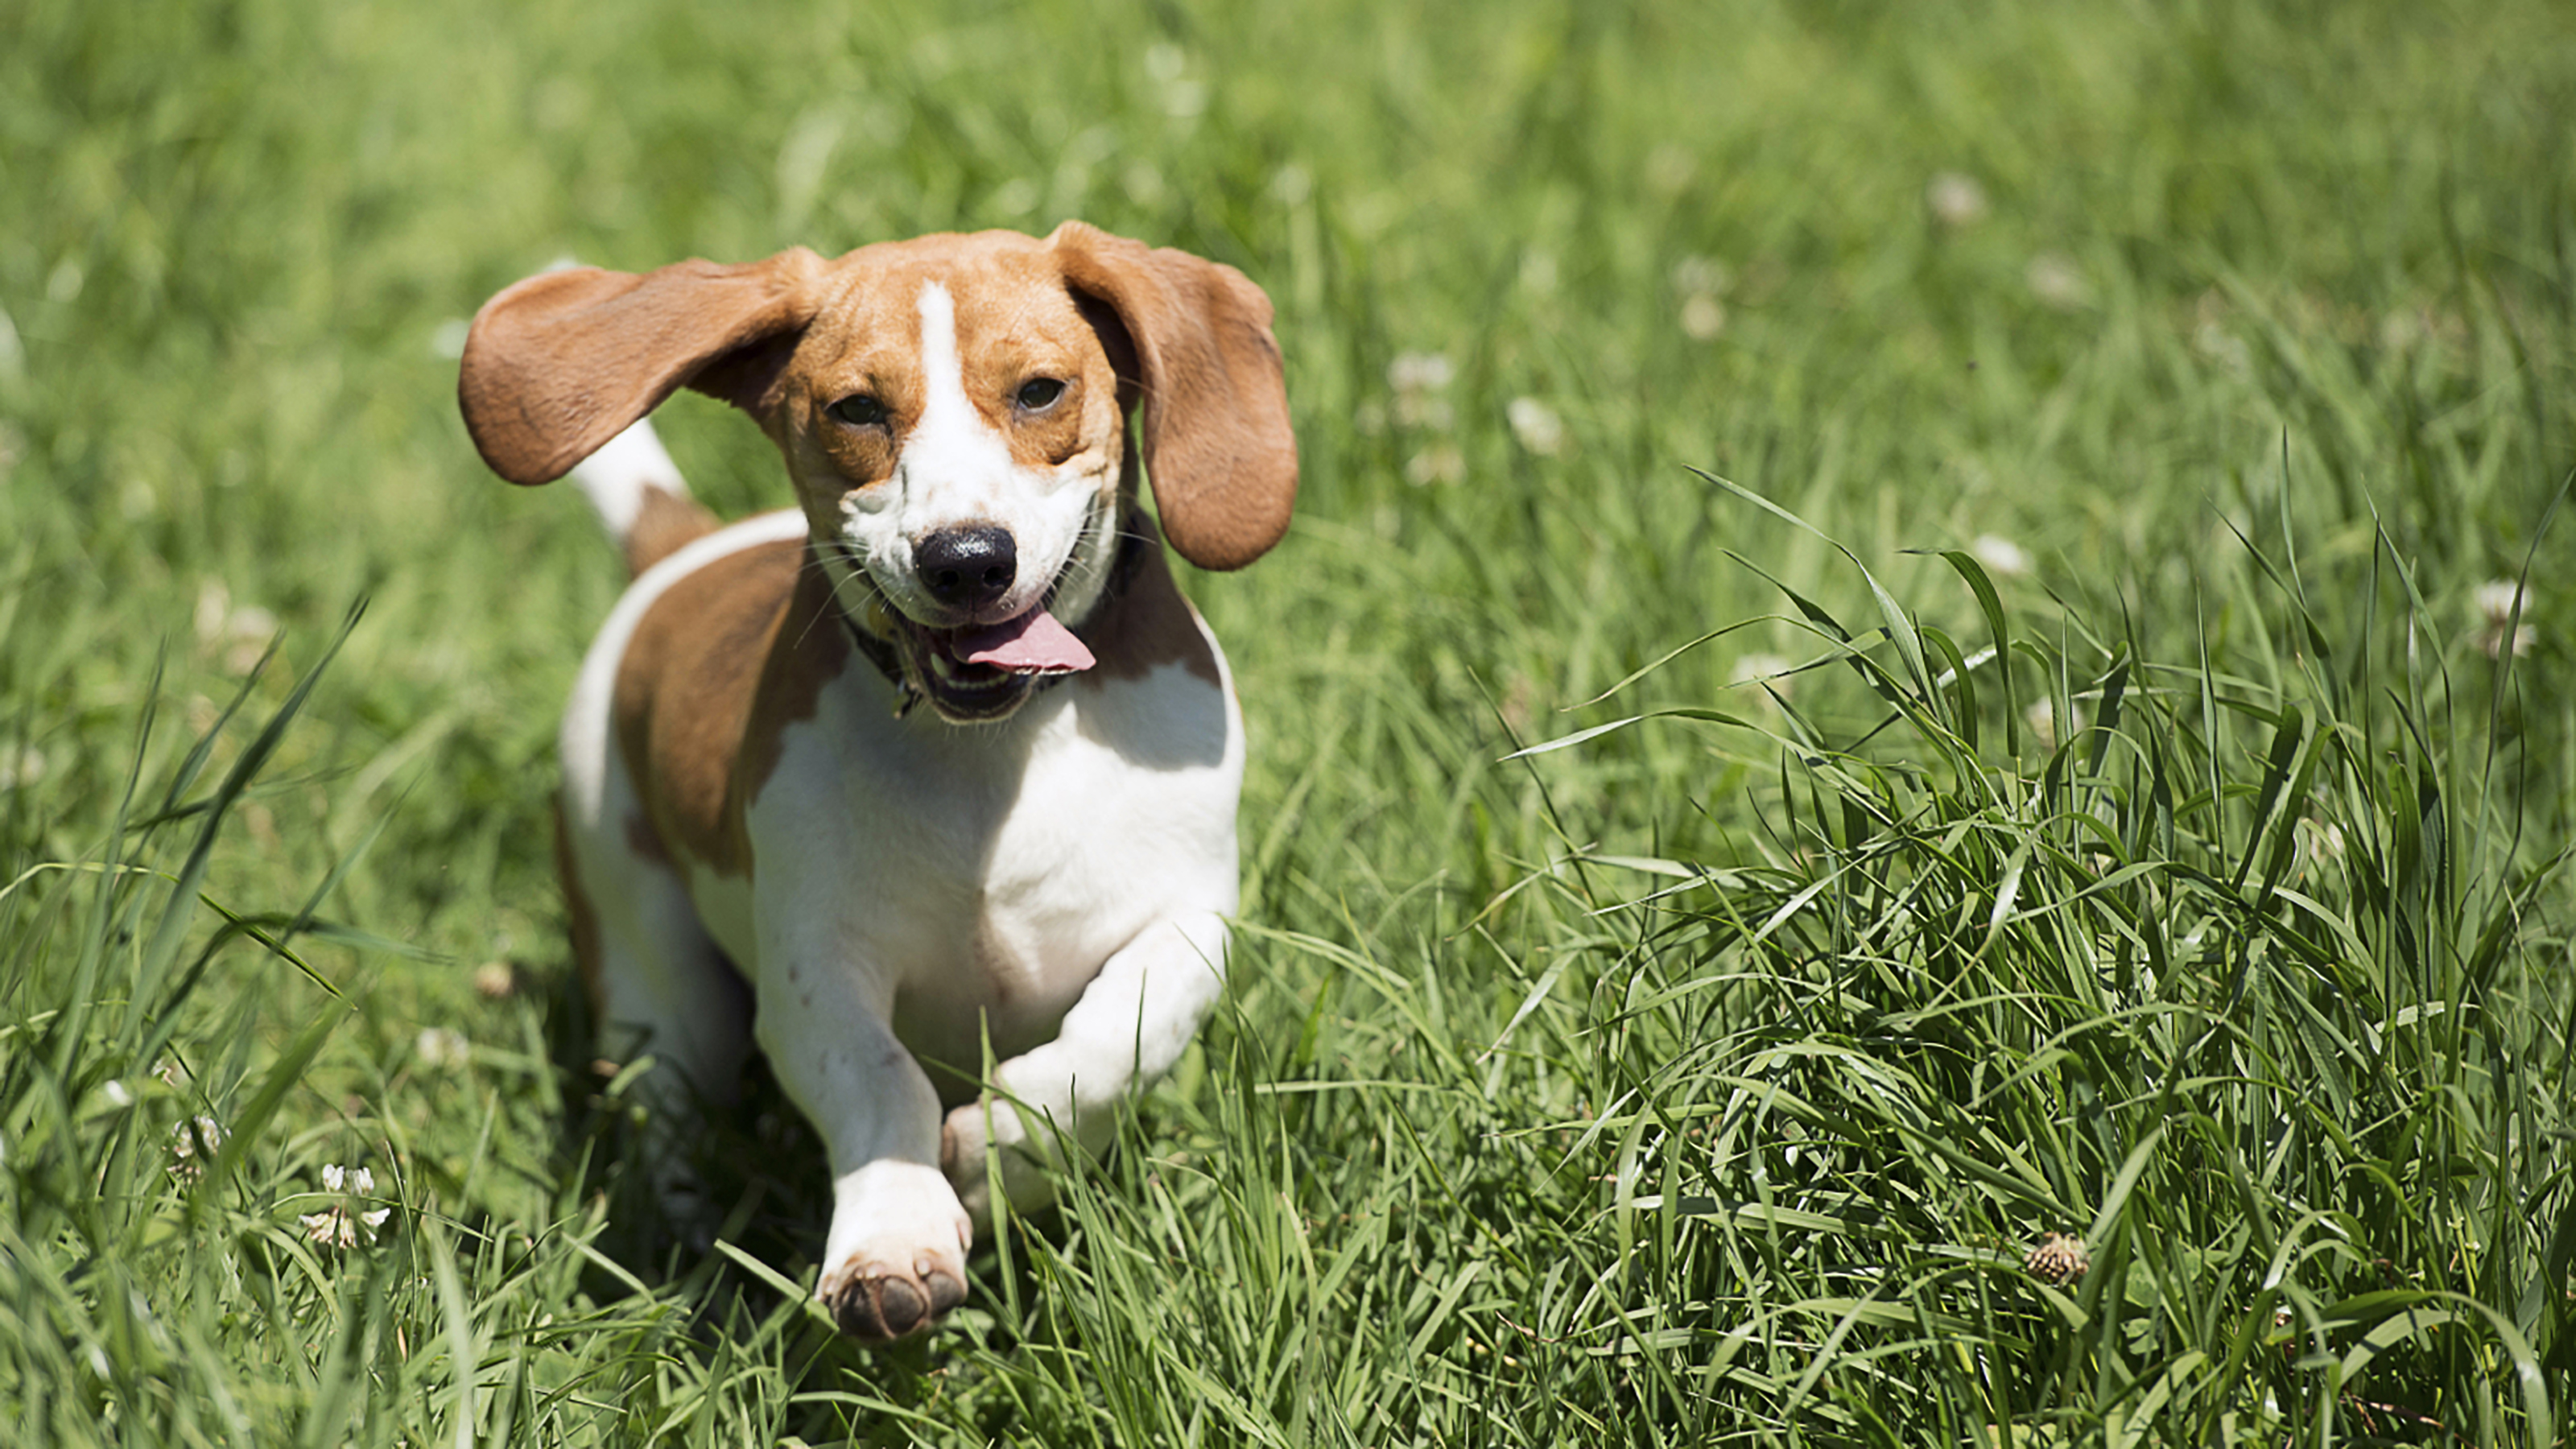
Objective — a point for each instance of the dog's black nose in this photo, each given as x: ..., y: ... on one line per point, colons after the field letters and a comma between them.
x: 966, y: 568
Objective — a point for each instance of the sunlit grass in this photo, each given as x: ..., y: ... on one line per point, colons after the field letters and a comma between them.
x: 1903, y: 636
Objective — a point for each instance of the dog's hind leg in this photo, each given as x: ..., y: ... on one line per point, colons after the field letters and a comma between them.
x: 659, y: 988
x: 658, y: 984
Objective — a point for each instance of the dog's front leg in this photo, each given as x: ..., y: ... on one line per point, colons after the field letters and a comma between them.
x: 896, y: 1255
x: 1127, y: 1029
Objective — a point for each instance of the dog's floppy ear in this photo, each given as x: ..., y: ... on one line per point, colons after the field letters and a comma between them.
x: 564, y: 361
x: 1217, y: 443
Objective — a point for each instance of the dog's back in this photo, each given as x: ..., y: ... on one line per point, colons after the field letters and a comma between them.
x: 641, y: 499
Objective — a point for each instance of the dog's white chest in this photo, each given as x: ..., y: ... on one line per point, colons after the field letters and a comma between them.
x: 976, y: 879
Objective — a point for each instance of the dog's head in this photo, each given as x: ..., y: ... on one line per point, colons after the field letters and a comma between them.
x: 952, y: 410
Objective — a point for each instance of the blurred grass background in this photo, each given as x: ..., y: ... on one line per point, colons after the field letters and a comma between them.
x: 2231, y: 344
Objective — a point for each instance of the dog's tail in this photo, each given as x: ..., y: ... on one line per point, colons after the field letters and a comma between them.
x: 641, y: 498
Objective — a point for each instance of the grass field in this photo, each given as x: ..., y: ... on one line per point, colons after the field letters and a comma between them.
x: 1902, y: 636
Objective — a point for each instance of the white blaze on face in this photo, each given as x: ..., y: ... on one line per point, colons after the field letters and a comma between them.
x: 955, y: 470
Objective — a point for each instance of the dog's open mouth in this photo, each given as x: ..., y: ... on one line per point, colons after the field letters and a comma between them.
x: 975, y: 672
x: 984, y: 672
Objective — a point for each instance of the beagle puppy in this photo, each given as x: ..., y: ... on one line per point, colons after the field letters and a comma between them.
x: 938, y: 763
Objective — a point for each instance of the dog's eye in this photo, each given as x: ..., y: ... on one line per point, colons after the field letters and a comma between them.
x: 859, y: 410
x: 1040, y: 393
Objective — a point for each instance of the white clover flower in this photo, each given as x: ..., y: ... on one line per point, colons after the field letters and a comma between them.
x: 2001, y: 555
x: 1536, y: 425
x: 214, y: 604
x: 116, y: 1093
x: 441, y: 1047
x: 242, y: 632
x: 1168, y: 66
x: 1143, y: 184
x: 13, y: 370
x: 1703, y: 317
x: 338, y: 1226
x: 1771, y: 669
x: 2041, y: 717
x: 1439, y: 463
x: 1420, y: 381
x: 1956, y: 199
x: 1700, y: 282
x: 2056, y: 281
x: 2323, y: 844
x: 2496, y: 599
x: 23, y: 766
x: 1418, y: 372
x: 1427, y: 411
x: 2058, y: 1258
x: 1695, y: 274
x: 187, y: 1140
x: 2213, y: 341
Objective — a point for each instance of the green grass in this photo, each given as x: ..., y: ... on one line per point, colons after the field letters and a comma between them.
x: 1619, y: 1051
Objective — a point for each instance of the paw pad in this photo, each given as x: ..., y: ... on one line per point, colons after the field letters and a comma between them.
x: 875, y: 1304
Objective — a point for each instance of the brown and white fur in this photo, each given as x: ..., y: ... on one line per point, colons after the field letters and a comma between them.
x: 1039, y: 861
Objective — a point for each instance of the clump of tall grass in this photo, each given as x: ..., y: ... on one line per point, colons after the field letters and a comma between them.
x: 172, y: 1268
x: 2245, y: 977
x: 185, y: 1257
x: 2087, y: 1045
x: 140, y: 1223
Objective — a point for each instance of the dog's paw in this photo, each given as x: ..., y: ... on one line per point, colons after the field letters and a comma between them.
x: 874, y: 1299
x: 897, y: 1256
x: 972, y: 1145
x: 962, y: 1160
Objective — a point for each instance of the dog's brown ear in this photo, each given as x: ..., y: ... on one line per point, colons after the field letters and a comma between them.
x: 564, y: 361
x: 1216, y: 436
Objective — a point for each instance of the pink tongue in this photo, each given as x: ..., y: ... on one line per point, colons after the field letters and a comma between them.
x: 1033, y: 643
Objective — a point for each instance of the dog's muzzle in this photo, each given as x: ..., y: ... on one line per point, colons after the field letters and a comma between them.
x: 971, y: 672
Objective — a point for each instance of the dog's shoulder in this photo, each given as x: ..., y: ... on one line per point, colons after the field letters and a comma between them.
x: 1144, y: 623
x: 704, y: 690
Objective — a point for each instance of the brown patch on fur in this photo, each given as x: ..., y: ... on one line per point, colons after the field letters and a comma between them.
x: 1017, y: 323
x: 645, y: 841
x: 684, y: 694
x: 1146, y: 624
x: 666, y: 524
x: 725, y: 660
x: 581, y: 922
x: 809, y: 653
